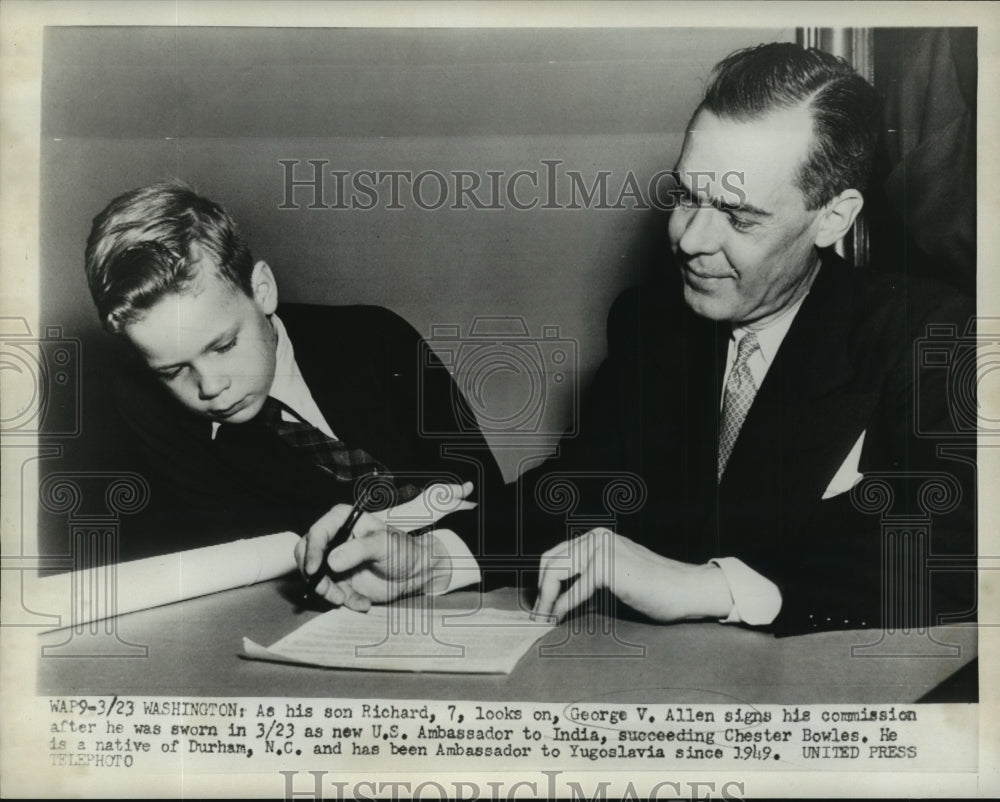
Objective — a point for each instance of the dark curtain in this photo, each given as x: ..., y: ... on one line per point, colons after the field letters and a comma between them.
x: 922, y: 205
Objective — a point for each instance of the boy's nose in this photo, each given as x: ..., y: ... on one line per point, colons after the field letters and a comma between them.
x: 211, y: 385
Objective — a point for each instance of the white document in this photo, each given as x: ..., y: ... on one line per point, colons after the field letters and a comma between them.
x: 409, y: 638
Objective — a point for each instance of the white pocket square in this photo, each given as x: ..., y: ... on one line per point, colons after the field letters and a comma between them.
x: 847, y: 474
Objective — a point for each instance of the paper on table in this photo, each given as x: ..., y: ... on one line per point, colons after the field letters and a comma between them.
x: 93, y: 594
x: 408, y: 638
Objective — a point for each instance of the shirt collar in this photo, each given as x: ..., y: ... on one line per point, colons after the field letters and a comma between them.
x: 770, y: 336
x: 286, y: 371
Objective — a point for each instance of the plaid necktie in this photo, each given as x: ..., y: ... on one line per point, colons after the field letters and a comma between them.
x: 740, y: 391
x: 334, y: 456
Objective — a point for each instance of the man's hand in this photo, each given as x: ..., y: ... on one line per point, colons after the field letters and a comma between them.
x: 433, y: 503
x: 379, y: 563
x: 663, y: 589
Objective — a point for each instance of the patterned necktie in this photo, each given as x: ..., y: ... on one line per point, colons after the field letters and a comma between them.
x: 740, y: 390
x: 334, y: 456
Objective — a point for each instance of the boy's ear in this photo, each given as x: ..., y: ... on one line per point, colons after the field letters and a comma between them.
x: 265, y: 288
x: 838, y: 216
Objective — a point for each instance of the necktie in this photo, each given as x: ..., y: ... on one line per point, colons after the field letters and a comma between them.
x: 740, y: 390
x: 334, y: 456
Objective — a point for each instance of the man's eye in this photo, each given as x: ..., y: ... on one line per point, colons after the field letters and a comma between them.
x: 226, y: 346
x: 739, y: 224
x: 686, y: 199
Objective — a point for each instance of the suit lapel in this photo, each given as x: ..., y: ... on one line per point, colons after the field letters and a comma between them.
x: 679, y: 429
x: 805, y: 413
x: 345, y: 388
x: 704, y: 363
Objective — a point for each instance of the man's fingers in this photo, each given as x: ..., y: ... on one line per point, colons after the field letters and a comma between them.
x: 578, y: 592
x: 432, y: 504
x: 443, y: 498
x: 578, y: 560
x: 553, y: 568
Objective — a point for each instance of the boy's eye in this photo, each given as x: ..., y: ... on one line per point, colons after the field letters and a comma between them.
x: 169, y: 374
x: 226, y: 346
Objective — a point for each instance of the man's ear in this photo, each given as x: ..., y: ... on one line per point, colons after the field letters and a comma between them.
x: 265, y: 288
x: 837, y: 217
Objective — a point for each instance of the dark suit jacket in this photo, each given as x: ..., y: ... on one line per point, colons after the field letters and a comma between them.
x: 846, y: 366
x: 379, y: 386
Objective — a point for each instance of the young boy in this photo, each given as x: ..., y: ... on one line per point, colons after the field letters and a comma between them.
x: 254, y: 418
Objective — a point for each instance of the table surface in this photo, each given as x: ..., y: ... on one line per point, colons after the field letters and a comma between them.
x: 194, y: 648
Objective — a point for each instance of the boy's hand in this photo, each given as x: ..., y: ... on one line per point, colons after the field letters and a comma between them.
x: 378, y: 564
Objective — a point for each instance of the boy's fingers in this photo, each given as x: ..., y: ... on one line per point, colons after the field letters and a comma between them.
x: 300, y: 554
x: 330, y: 591
x: 356, y: 552
x: 356, y: 601
x: 322, y: 532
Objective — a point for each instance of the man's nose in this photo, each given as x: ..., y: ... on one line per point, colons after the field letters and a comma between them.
x: 701, y: 233
x: 211, y: 384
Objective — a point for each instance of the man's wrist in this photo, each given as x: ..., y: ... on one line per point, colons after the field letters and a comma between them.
x: 712, y: 597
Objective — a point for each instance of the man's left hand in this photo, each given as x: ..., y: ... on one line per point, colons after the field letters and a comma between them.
x: 661, y: 588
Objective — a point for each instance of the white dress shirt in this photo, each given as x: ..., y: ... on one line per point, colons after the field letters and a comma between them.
x: 291, y: 389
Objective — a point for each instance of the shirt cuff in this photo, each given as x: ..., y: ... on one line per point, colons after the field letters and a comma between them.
x: 464, y: 568
x: 756, y: 599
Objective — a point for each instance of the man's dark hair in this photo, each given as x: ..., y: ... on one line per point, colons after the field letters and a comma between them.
x: 140, y: 249
x: 750, y: 83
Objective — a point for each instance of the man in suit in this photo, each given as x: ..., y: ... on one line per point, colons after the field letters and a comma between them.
x: 752, y: 387
x: 255, y: 418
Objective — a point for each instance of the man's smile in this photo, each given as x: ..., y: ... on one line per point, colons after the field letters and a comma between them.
x: 701, y: 272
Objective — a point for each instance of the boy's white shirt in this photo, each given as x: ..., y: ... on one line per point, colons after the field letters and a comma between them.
x: 291, y: 389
